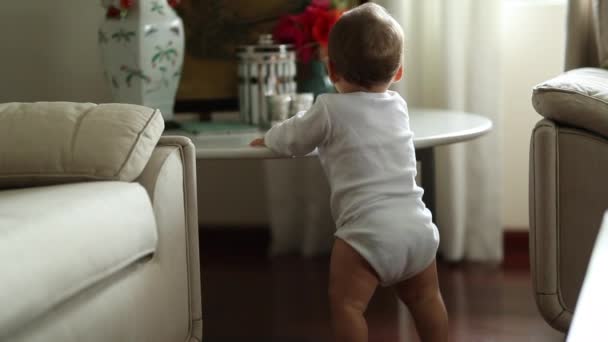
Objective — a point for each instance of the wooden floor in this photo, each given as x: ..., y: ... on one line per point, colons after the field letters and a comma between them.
x: 250, y: 297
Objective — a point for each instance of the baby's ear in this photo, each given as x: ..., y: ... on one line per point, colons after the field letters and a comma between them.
x: 331, y: 70
x: 399, y: 74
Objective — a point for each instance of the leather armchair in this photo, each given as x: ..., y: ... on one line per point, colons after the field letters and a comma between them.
x: 568, y: 193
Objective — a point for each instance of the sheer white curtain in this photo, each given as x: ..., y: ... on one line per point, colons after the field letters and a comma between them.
x: 452, y: 61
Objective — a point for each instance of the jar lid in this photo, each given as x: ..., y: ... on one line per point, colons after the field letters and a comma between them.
x: 265, y: 45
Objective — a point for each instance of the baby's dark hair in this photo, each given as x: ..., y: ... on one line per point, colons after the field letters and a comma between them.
x: 366, y: 46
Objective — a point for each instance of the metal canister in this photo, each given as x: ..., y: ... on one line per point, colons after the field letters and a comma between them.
x: 264, y: 69
x: 278, y: 107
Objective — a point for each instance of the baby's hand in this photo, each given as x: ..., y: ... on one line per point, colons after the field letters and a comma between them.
x: 259, y: 142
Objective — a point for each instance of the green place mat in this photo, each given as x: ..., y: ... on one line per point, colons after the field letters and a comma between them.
x: 205, y: 127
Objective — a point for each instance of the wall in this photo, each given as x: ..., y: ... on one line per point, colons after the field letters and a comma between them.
x: 533, y: 46
x: 49, y: 51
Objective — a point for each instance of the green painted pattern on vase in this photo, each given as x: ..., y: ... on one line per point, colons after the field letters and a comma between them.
x: 157, y: 7
x: 168, y: 53
x: 123, y: 35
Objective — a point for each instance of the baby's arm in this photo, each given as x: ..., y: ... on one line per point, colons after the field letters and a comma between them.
x: 300, y: 134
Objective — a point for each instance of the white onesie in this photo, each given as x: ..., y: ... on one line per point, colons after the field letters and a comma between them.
x: 367, y: 152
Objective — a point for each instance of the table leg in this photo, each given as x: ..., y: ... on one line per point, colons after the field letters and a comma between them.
x: 426, y: 156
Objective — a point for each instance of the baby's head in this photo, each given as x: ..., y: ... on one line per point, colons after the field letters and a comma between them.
x: 365, y: 49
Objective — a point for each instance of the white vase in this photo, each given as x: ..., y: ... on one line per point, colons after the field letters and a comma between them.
x: 143, y: 53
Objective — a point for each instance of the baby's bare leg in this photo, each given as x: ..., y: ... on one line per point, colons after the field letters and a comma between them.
x: 422, y: 296
x: 352, y: 283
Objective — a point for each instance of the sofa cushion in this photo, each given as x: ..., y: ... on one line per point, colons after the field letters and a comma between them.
x: 47, y: 143
x: 56, y: 241
x: 576, y: 98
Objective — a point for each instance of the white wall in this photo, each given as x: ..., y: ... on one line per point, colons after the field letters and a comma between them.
x: 49, y: 51
x: 533, y: 45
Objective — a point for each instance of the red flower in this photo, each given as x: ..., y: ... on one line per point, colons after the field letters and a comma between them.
x: 325, y: 20
x: 287, y: 31
x: 296, y: 30
x: 113, y: 12
x: 308, y: 30
x: 126, y: 4
x: 174, y: 3
x: 323, y: 4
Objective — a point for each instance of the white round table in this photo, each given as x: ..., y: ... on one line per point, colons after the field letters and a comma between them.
x: 431, y: 127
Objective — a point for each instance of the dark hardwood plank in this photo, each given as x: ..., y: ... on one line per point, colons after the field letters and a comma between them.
x: 250, y: 297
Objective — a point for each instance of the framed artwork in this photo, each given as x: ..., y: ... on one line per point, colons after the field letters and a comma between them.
x: 214, y: 28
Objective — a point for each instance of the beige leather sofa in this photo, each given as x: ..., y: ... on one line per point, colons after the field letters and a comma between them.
x: 98, y: 226
x: 568, y: 166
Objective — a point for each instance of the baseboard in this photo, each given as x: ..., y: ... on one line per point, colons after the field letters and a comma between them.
x: 516, y: 250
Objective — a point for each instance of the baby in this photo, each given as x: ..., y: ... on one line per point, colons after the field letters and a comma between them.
x: 385, y: 234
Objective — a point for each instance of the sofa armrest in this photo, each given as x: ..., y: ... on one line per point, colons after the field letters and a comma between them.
x: 568, y: 198
x: 163, y: 178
